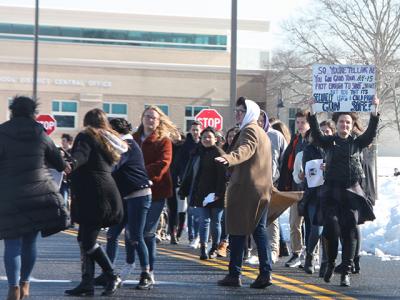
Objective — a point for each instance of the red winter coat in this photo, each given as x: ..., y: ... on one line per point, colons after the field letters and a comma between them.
x: 157, y: 159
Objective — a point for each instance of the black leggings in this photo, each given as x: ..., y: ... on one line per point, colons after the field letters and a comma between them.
x: 340, y: 222
x: 87, y: 236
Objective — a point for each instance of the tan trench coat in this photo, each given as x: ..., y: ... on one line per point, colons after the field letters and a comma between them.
x: 250, y: 186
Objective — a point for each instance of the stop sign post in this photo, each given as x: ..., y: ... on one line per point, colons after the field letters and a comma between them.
x: 210, y: 117
x: 48, y: 122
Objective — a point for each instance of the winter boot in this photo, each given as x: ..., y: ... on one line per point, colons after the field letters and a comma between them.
x: 24, y: 289
x: 86, y: 286
x: 356, y: 269
x: 330, y: 267
x: 309, y: 264
x: 13, y: 293
x: 283, y: 248
x: 113, y: 280
x: 222, y: 249
x: 203, y: 251
x: 174, y: 239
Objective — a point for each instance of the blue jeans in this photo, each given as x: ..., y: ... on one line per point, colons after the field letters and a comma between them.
x: 19, y: 258
x: 112, y: 243
x: 193, y: 222
x: 153, y: 217
x: 237, y: 244
x: 314, y: 231
x: 213, y: 216
x: 138, y: 209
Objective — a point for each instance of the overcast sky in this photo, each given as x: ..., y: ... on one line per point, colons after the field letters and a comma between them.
x: 248, y: 9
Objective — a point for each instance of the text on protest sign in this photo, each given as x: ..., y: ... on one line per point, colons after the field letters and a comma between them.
x: 343, y: 88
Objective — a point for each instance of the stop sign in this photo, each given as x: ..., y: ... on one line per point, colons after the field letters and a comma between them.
x: 210, y: 117
x: 48, y: 122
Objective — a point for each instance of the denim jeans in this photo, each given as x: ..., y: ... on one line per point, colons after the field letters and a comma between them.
x: 213, y: 216
x: 237, y: 244
x: 193, y: 222
x: 314, y: 230
x: 153, y: 217
x: 138, y: 209
x: 19, y: 258
x: 112, y: 243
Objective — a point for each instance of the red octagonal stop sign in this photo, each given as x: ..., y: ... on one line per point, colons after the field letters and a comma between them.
x: 48, y: 122
x: 210, y: 117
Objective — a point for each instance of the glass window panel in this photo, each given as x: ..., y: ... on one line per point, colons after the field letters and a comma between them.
x: 68, y: 106
x: 292, y: 126
x: 292, y: 113
x: 198, y: 109
x: 119, y: 109
x: 55, y: 106
x: 106, y: 107
x: 188, y: 111
x: 65, y: 121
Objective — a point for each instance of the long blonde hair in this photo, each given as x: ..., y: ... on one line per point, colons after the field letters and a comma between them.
x: 94, y: 121
x: 165, y: 129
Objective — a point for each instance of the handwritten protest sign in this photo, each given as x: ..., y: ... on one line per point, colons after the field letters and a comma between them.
x: 343, y: 88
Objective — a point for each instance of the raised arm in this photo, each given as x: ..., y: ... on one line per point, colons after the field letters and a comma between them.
x: 318, y: 137
x: 247, y: 147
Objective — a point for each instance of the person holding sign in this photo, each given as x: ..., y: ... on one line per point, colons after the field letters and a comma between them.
x: 343, y: 203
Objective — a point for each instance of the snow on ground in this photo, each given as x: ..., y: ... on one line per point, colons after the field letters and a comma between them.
x: 382, y: 236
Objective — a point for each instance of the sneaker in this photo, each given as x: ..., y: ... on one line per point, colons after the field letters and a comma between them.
x: 152, y: 277
x: 252, y: 260
x: 294, y: 261
x: 126, y: 270
x: 274, y: 257
x: 145, y: 282
x: 229, y: 280
x: 195, y: 243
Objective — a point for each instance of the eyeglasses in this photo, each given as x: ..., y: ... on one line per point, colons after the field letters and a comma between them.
x: 236, y: 111
x: 148, y: 117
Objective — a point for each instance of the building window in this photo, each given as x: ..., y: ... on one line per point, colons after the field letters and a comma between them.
x: 292, y: 120
x: 115, y: 37
x: 190, y: 113
x: 65, y: 112
x: 116, y: 110
x: 163, y: 107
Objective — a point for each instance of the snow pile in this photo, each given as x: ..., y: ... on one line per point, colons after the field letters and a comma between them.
x: 382, y: 237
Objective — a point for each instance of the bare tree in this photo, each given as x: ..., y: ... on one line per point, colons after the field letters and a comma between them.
x: 344, y: 31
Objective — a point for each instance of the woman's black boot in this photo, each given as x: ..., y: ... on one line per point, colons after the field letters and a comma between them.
x: 86, y: 286
x: 112, y: 279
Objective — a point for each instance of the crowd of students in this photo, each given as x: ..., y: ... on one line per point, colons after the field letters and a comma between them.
x: 121, y: 179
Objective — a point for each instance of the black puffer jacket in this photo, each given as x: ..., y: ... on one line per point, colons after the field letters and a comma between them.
x: 94, y: 193
x: 343, y: 166
x: 205, y: 178
x: 29, y: 200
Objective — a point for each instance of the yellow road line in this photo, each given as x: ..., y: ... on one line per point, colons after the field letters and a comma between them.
x: 275, y: 276
x: 250, y: 272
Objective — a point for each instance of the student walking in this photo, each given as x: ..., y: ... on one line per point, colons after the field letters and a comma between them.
x: 96, y: 201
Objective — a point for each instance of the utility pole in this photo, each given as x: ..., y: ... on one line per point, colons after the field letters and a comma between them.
x: 233, y: 56
x: 36, y: 50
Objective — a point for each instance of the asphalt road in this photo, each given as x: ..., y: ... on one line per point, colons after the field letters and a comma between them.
x: 181, y: 275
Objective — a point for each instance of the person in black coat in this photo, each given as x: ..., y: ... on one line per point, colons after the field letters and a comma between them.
x: 29, y: 200
x: 95, y: 199
x: 203, y: 177
x: 343, y: 205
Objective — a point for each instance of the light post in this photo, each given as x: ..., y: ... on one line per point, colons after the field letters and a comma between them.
x: 36, y: 50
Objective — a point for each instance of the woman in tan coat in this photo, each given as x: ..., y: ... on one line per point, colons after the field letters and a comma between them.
x: 248, y: 193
